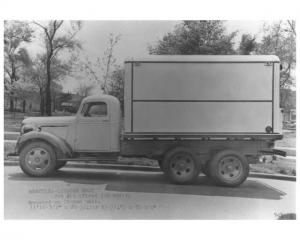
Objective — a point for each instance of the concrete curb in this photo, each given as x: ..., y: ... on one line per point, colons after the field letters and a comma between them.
x: 118, y: 166
x: 273, y: 176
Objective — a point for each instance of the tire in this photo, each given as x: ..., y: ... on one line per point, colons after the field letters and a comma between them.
x: 60, y: 164
x: 181, y: 166
x: 229, y: 168
x: 37, y: 159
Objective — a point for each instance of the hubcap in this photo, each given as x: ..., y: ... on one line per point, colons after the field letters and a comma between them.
x: 37, y: 159
x: 182, y: 165
x: 230, y: 168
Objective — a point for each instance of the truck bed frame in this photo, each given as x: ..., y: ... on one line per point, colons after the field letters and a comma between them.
x: 201, y: 136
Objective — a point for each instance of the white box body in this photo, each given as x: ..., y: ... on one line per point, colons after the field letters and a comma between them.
x: 202, y: 94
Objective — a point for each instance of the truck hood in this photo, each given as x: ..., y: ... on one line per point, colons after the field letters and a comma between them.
x: 49, y: 121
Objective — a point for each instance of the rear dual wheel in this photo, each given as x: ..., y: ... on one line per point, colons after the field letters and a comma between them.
x: 228, y: 168
x: 180, y: 166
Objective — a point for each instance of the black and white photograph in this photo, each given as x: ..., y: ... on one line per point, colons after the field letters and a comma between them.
x: 187, y: 119
x: 149, y: 119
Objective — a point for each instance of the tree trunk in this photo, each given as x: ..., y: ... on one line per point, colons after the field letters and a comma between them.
x: 53, y: 101
x: 48, y: 89
x: 42, y: 106
x: 42, y: 103
x: 15, y: 105
x: 11, y: 104
x: 24, y: 106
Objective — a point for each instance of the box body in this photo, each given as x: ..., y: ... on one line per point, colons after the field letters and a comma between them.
x: 202, y: 95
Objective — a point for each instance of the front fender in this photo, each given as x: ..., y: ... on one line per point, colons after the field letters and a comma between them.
x: 61, y: 147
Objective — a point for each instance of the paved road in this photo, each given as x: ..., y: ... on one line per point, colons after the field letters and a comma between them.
x: 110, y: 194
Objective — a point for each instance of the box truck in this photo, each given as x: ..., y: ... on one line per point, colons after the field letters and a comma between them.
x: 193, y: 114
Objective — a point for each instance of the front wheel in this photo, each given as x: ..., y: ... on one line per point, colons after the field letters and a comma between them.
x: 229, y: 168
x: 37, y: 159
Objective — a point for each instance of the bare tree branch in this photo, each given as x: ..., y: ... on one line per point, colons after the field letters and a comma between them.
x: 292, y: 25
x: 43, y: 27
x: 66, y: 44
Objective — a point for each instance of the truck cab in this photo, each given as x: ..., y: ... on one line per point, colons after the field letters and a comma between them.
x: 94, y: 129
x: 97, y: 125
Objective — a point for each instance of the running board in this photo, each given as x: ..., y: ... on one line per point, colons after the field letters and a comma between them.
x: 87, y: 159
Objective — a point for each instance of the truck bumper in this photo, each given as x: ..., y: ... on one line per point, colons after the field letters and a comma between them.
x: 16, y: 152
x: 13, y: 154
x: 273, y: 152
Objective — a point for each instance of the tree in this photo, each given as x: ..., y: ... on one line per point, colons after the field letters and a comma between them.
x: 292, y: 26
x: 116, y: 85
x: 280, y: 39
x: 88, y: 70
x: 15, y: 55
x: 247, y: 45
x: 108, y: 60
x: 22, y: 91
x: 196, y: 37
x: 55, y: 43
x: 37, y: 76
x: 85, y: 88
x: 287, y: 99
x: 99, y: 72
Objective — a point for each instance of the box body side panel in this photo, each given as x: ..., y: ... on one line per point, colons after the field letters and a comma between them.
x: 201, y: 97
x: 202, y: 81
x: 202, y: 117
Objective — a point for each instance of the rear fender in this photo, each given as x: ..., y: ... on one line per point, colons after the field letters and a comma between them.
x: 61, y: 147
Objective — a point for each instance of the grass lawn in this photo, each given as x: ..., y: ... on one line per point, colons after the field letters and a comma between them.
x: 289, y: 140
x: 12, y: 125
x: 281, y: 165
x: 12, y: 121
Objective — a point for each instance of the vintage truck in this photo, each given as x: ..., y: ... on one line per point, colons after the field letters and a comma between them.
x: 210, y: 114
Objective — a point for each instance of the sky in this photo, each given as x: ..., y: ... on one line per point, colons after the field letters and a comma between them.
x: 136, y: 37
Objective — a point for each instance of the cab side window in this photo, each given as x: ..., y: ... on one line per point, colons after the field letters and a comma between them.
x: 95, y: 109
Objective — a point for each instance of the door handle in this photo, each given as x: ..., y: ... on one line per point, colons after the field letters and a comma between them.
x: 105, y: 120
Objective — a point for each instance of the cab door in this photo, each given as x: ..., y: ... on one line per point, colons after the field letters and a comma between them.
x: 93, y: 128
